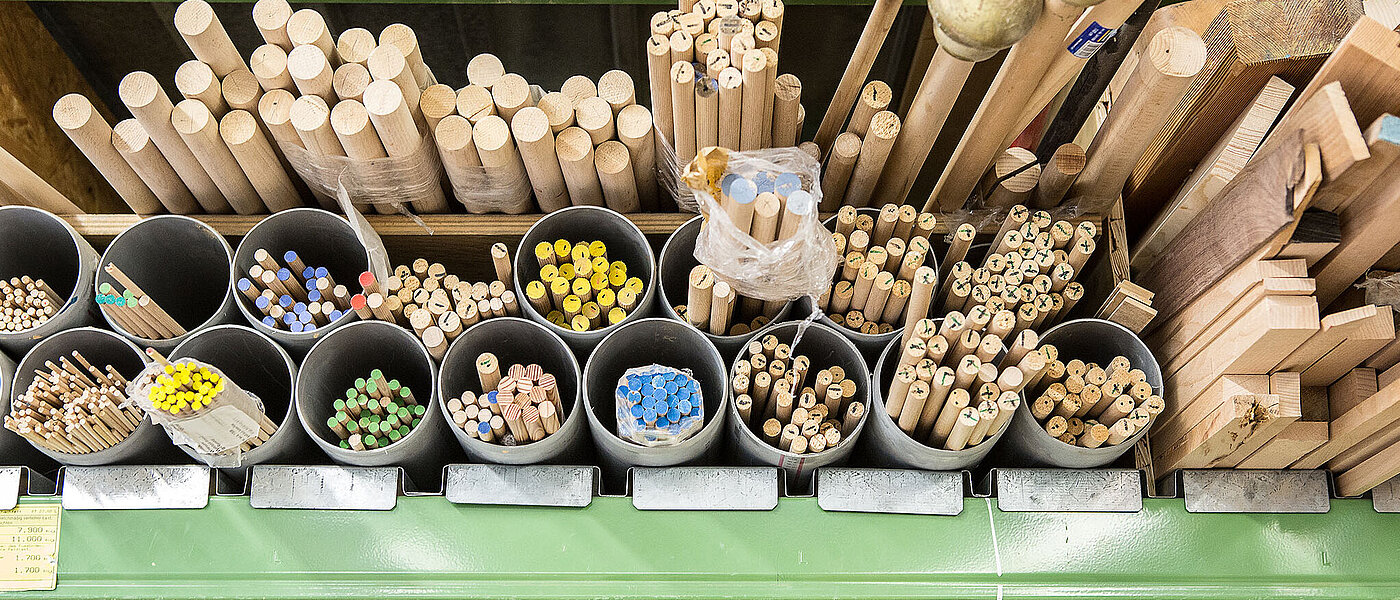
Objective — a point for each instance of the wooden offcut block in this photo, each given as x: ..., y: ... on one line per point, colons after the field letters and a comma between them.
x: 1367, y: 418
x: 1298, y: 438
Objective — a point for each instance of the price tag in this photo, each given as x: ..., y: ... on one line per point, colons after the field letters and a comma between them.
x: 324, y: 487
x: 29, y: 547
x: 705, y: 488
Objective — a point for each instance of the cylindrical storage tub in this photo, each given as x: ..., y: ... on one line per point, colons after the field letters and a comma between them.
x: 888, y: 445
x: 625, y: 242
x: 677, y: 259
x: 869, y: 344
x: 15, y: 450
x: 43, y: 246
x: 146, y: 444
x: 517, y: 341
x: 181, y: 264
x: 262, y: 368
x: 825, y: 348
x: 352, y: 352
x: 1089, y: 340
x: 638, y: 344
x: 321, y: 239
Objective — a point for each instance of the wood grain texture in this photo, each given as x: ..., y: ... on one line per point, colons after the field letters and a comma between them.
x: 1256, y: 343
x: 35, y: 73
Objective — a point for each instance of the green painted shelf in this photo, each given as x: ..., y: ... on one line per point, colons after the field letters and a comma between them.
x: 428, y: 547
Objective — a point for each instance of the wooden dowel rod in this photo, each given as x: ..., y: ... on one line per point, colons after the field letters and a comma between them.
x: 1007, y: 189
x: 751, y: 124
x: 501, y: 160
x: 874, y: 151
x: 536, y: 143
x: 575, y: 150
x: 877, y: 26
x: 706, y: 112
x: 659, y: 78
x: 149, y: 104
x: 205, y: 35
x: 270, y: 17
x: 484, y: 69
x: 731, y: 98
x: 457, y: 150
x: 787, y: 101
x: 559, y: 109
x: 387, y: 63
x: 312, y: 72
x: 683, y: 111
x: 874, y: 97
x: 394, y: 123
x: 269, y: 64
x: 32, y: 189
x: 596, y: 117
x: 615, y: 174
x: 200, y: 131
x: 634, y: 129
x: 196, y: 80
x: 510, y: 93
x: 307, y: 27
x: 927, y: 114
x: 616, y: 88
x: 1058, y: 175
x: 240, y: 131
x: 311, y: 118
x: 840, y: 164
x: 436, y: 102
x: 78, y: 118
x: 770, y: 86
x: 403, y: 37
x: 354, y: 45
x: 134, y: 144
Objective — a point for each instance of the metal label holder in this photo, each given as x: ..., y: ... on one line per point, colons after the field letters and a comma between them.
x: 704, y: 488
x: 1066, y: 490
x: 526, y: 485
x: 892, y: 491
x: 131, y: 487
x: 1255, y: 491
x: 325, y: 487
x: 1386, y: 496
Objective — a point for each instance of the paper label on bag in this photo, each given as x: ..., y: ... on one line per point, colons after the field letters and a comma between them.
x: 1089, y: 42
x: 216, y: 431
x: 29, y: 547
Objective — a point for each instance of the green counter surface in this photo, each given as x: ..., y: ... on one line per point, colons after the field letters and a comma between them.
x: 428, y: 547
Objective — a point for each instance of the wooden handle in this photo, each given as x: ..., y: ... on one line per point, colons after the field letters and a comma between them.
x: 149, y: 104
x: 575, y: 149
x: 197, y: 81
x: 615, y: 173
x: 874, y: 150
x: 928, y: 111
x: 877, y: 26
x: 135, y: 145
x: 536, y: 143
x: 205, y: 35
x: 1058, y: 175
x: 200, y: 131
x: 78, y: 118
x: 634, y: 129
x: 240, y: 131
x: 269, y: 65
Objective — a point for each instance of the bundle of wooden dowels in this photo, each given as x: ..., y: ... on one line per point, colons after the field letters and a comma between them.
x: 437, y: 305
x: 134, y: 310
x: 883, y: 283
x: 1028, y: 272
x: 188, y: 390
x: 713, y: 66
x: 72, y: 410
x: 579, y: 289
x: 294, y: 297
x: 953, y: 388
x: 375, y: 412
x: 858, y: 156
x: 712, y: 305
x: 1088, y: 405
x: 522, y: 407
x: 26, y: 303
x: 586, y: 144
x: 775, y: 398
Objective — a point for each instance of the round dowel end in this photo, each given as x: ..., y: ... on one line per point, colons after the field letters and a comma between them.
x: 1177, y: 52
x: 1011, y: 160
x: 573, y: 144
x: 530, y: 125
x: 1068, y: 159
x: 238, y: 127
x: 194, y: 17
x: 355, y: 45
x: 310, y: 113
x: 474, y: 103
x: 306, y: 27
x: 511, y: 92
x: 130, y: 137
x: 271, y: 15
x: 453, y: 133
x: 578, y: 88
x: 386, y: 62
x: 616, y: 88
x: 789, y: 87
x: 306, y: 63
x: 885, y: 125
x: 484, y: 70
x: 383, y: 98
x: 194, y: 78
x: 351, y: 79
x: 349, y: 118
x: 559, y: 109
x: 241, y: 90
x: 634, y: 122
x: 402, y: 37
x: 138, y: 89
x: 268, y: 62
x: 847, y: 146
x: 438, y: 101
x: 611, y: 157
x: 491, y: 134
x: 73, y: 111
x: 275, y: 107
x: 191, y: 116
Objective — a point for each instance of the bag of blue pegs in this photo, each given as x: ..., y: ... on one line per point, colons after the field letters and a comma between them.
x: 658, y: 405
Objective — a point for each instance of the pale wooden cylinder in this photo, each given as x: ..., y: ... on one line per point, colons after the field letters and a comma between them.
x: 196, y: 80
x: 659, y: 77
x: 536, y: 143
x: 312, y: 72
x: 575, y: 149
x: 634, y: 129
x: 770, y: 76
x: 240, y: 131
x: 399, y: 134
x: 474, y: 102
x: 578, y: 88
x: 311, y: 118
x: 683, y: 115
x: 484, y: 69
x: 1058, y: 175
x: 786, y: 103
x: 844, y: 153
x: 402, y: 37
x: 351, y: 79
x: 731, y: 102
x: 874, y: 97
x: 500, y: 158
x: 458, y: 151
x: 617, y: 89
x: 706, y: 112
x: 307, y: 27
x: 928, y: 111
x: 1015, y: 189
x: 436, y: 102
x: 200, y: 131
x: 269, y: 65
x: 596, y: 117
x: 874, y: 150
x: 270, y: 17
x: 558, y: 109
x: 615, y: 173
x: 755, y: 88
x: 32, y: 189
x: 510, y: 94
x: 275, y: 110
x: 135, y: 145
x: 387, y: 63
x: 354, y: 45
x: 205, y: 35
x: 241, y: 91
x: 78, y: 118
x: 351, y: 124
x: 146, y: 99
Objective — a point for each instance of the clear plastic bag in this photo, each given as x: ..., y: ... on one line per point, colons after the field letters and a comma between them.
x: 494, y: 189
x: 658, y: 406
x: 789, y: 268
x: 393, y: 182
x: 215, y: 432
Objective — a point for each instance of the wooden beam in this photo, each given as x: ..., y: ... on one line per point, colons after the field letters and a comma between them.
x: 1284, y: 387
x: 1223, y: 295
x: 1219, y: 436
x: 1352, y: 389
x: 1172, y: 353
x: 1214, y: 172
x: 1370, y: 473
x: 1298, y: 438
x: 1184, y: 414
x: 1365, y: 335
x: 1319, y: 233
x: 1368, y: 232
x: 1253, y: 344
x: 1383, y: 143
x: 1367, y: 418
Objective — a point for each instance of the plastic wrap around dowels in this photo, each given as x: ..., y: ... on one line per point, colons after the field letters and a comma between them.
x: 392, y: 181
x: 218, y: 431
x: 794, y: 266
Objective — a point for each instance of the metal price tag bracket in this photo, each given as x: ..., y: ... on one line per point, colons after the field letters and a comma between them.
x: 324, y: 487
x: 127, y: 487
x: 1067, y: 490
x: 704, y: 488
x: 1255, y: 491
x: 521, y: 485
x: 893, y: 491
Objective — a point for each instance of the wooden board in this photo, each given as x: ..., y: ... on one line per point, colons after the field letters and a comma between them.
x: 1369, y: 417
x: 1132, y: 314
x: 1370, y: 473
x: 1318, y: 233
x: 1352, y: 389
x: 1252, y: 345
x: 1249, y: 42
x: 1298, y: 438
x: 1276, y: 417
x: 1232, y: 151
x: 1345, y: 339
x: 1203, y: 311
x: 1383, y: 143
x: 1182, y: 415
x: 1368, y: 233
x: 1172, y: 353
x: 1219, y: 436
